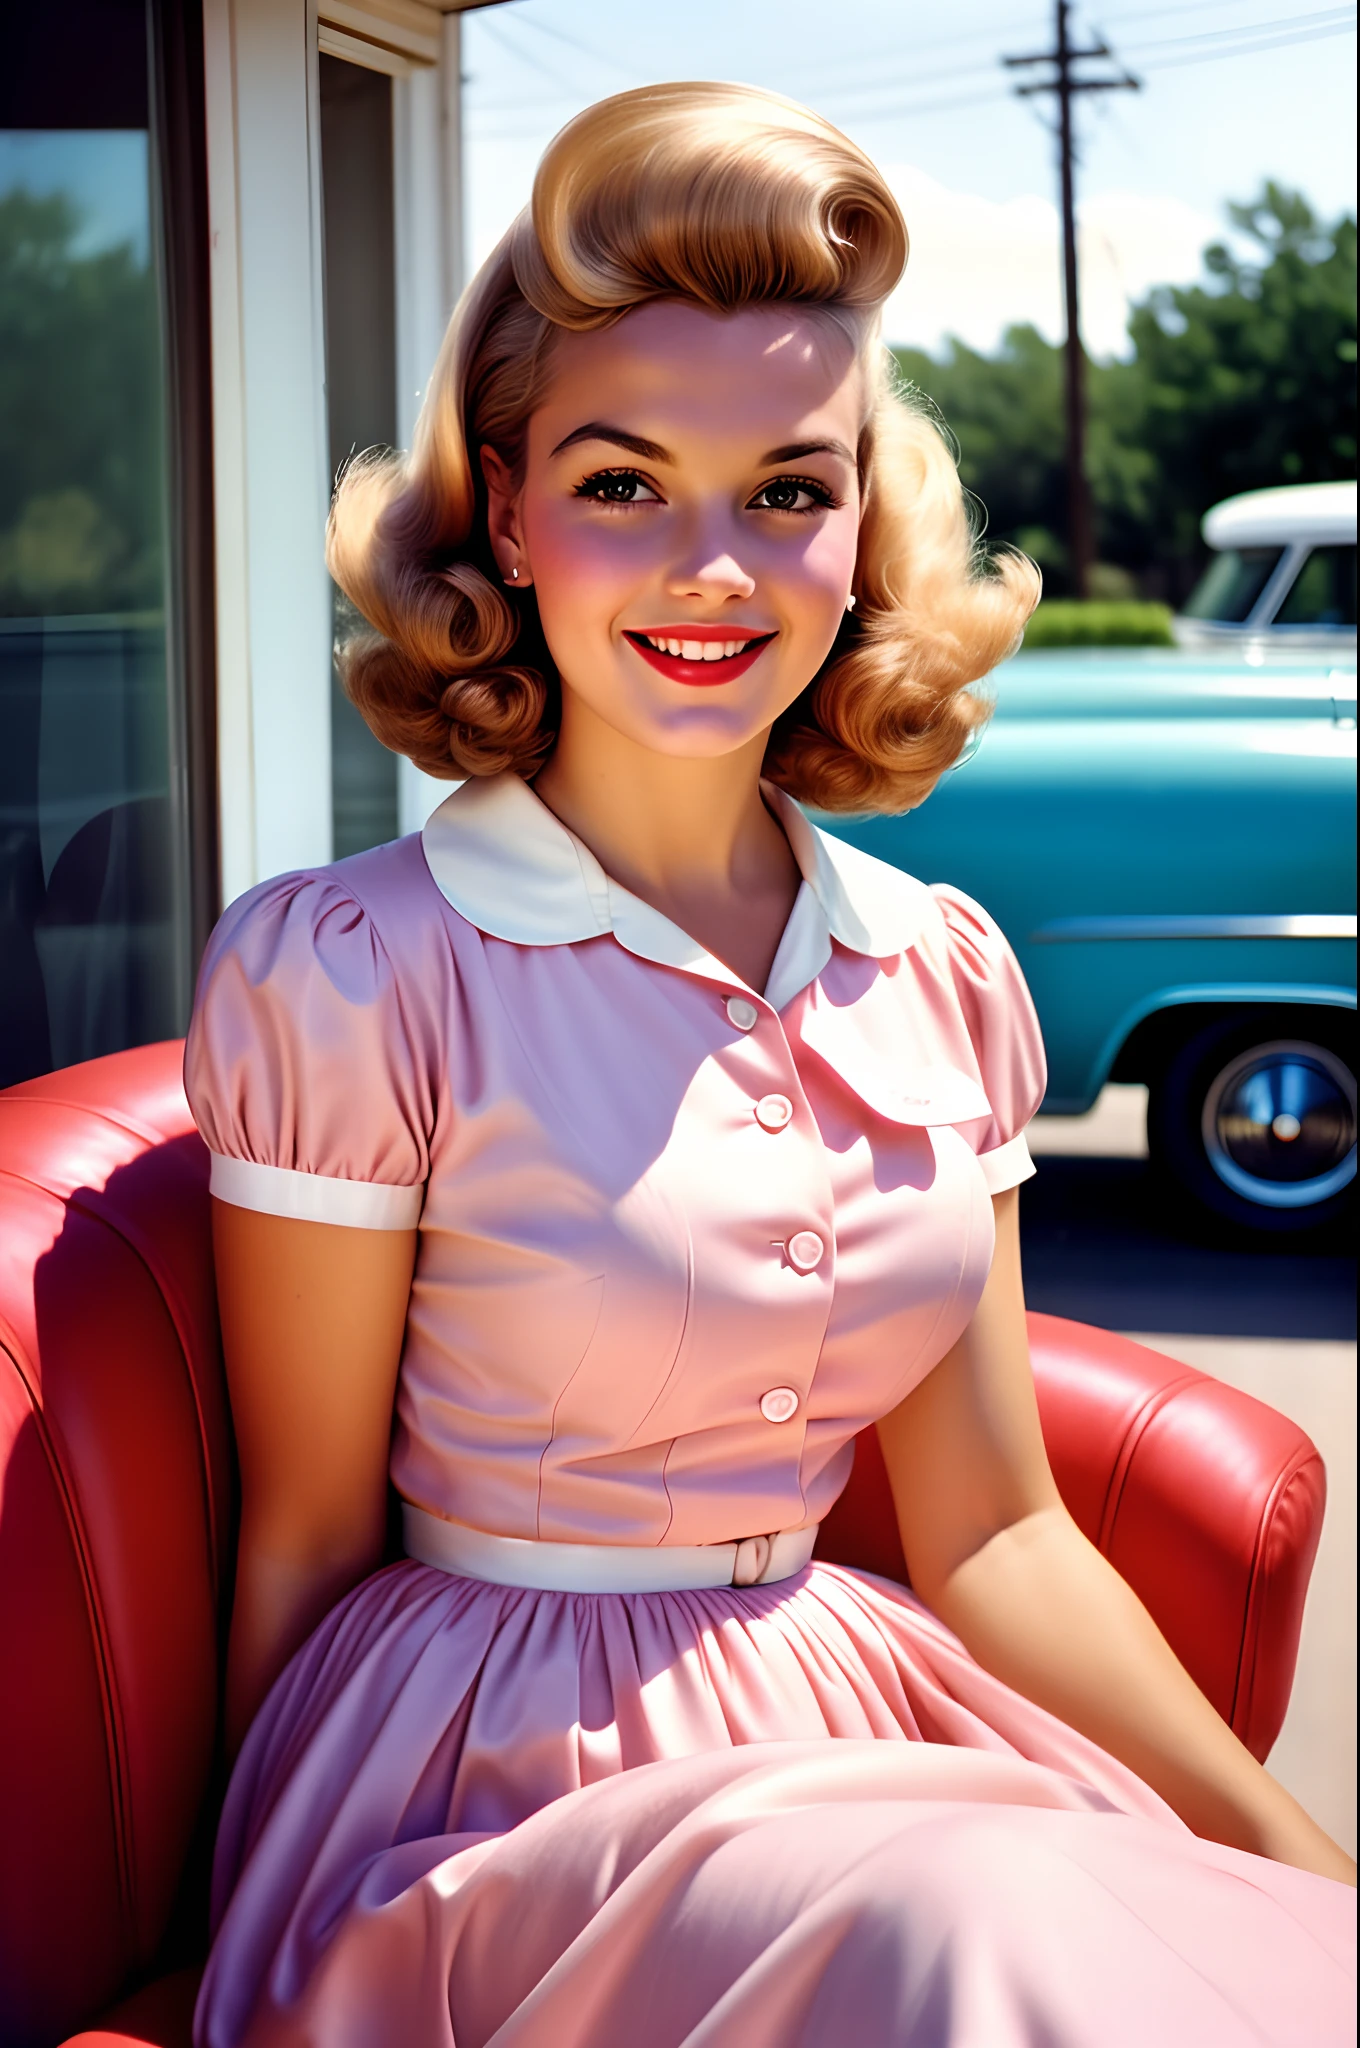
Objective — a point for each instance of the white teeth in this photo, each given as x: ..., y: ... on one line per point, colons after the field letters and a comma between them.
x: 696, y: 650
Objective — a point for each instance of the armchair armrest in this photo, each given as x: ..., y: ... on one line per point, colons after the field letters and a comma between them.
x: 160, y: 2015
x: 1205, y: 1500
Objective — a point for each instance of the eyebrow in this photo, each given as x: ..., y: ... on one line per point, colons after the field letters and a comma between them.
x: 598, y: 430
x: 796, y: 450
x: 652, y: 451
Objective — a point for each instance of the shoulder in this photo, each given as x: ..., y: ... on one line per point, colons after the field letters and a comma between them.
x: 348, y: 923
x: 977, y: 947
x: 990, y: 997
x: 962, y: 946
x: 309, y: 1053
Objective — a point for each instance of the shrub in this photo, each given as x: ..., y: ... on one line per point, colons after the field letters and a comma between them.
x: 1066, y: 622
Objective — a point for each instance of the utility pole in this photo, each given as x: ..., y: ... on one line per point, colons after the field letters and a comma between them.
x: 1066, y: 85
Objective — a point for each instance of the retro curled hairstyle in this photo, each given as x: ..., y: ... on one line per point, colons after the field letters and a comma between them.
x: 722, y: 197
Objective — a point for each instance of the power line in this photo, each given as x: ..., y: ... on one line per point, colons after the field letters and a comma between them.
x: 545, y: 28
x: 1316, y: 35
x: 1256, y: 28
x: 837, y: 94
x: 1130, y: 20
x: 497, y: 34
x: 1148, y: 58
x: 1155, y: 54
x: 889, y: 80
x: 918, y: 50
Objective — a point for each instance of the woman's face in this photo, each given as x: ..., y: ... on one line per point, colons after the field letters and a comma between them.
x: 689, y: 518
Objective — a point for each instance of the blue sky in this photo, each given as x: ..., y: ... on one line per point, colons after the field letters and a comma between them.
x: 105, y: 172
x: 1233, y: 91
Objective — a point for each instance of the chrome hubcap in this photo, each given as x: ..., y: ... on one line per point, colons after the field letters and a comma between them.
x: 1279, y: 1125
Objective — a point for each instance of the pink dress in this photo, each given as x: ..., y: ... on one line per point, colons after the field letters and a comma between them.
x: 679, y: 1241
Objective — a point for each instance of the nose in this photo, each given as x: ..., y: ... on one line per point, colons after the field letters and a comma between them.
x: 707, y: 568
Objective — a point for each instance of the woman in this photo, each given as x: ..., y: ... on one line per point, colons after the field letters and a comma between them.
x: 641, y: 1144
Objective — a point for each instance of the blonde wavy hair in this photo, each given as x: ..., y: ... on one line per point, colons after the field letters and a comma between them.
x: 723, y: 197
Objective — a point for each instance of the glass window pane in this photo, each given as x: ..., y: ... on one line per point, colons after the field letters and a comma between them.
x: 92, y: 935
x: 1323, y: 592
x: 361, y: 384
x: 1228, y: 590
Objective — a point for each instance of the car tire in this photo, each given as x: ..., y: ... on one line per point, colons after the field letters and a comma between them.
x: 1254, y: 1119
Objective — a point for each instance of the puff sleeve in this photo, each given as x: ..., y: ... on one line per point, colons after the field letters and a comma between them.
x: 999, y: 1014
x: 299, y: 1067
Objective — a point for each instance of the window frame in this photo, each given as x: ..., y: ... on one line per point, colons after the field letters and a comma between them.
x: 269, y: 441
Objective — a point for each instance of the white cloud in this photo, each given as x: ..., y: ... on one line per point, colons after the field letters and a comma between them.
x: 978, y: 265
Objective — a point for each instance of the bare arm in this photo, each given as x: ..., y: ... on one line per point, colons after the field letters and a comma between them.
x: 994, y: 1553
x: 312, y: 1324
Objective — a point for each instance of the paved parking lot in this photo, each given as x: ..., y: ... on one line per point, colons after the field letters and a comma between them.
x: 1102, y: 1244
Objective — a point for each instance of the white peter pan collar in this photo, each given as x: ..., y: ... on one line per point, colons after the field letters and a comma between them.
x: 511, y: 867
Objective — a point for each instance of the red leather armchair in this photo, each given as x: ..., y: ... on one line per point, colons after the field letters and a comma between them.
x: 116, y: 1534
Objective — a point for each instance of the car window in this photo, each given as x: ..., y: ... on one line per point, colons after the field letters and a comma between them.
x: 1323, y: 592
x: 1232, y: 583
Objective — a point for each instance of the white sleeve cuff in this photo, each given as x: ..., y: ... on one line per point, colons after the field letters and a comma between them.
x: 1006, y: 1165
x: 314, y: 1197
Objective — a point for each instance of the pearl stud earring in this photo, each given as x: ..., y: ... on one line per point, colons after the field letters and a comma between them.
x: 850, y: 602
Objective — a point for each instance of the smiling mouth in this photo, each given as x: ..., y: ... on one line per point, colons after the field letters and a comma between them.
x: 702, y: 656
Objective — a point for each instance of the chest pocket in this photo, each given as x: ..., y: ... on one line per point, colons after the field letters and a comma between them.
x: 922, y: 1096
x: 901, y: 1090
x: 935, y: 1095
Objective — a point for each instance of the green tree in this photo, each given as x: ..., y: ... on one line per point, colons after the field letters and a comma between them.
x: 80, y: 417
x: 1005, y: 414
x: 1242, y: 380
x: 1249, y: 378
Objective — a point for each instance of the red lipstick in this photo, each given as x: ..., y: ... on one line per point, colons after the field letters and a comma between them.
x: 741, y: 644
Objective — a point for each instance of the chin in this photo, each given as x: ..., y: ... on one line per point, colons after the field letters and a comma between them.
x: 699, y: 732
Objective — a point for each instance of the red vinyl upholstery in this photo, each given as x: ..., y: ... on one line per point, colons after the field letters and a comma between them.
x: 116, y: 1515
x: 1207, y: 1501
x: 115, y: 1518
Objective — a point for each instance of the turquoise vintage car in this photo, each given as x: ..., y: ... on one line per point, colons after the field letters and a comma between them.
x: 1168, y: 840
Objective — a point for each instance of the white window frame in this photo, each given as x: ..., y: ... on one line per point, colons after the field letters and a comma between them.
x: 269, y: 405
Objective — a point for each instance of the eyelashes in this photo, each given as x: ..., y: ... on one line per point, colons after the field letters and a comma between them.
x: 618, y: 489
x: 823, y: 498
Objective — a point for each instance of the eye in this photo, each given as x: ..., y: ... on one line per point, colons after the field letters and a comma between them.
x: 793, y: 494
x: 617, y: 487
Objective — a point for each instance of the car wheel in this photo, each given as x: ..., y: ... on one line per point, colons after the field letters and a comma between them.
x: 1256, y: 1121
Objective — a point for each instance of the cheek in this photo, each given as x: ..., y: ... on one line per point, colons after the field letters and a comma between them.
x: 817, y: 576
x: 583, y: 571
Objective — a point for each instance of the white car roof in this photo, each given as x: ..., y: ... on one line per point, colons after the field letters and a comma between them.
x: 1292, y: 512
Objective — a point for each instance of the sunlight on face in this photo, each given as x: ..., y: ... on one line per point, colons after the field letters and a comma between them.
x: 689, y: 518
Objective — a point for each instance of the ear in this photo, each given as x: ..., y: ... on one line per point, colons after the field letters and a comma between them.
x: 503, y: 521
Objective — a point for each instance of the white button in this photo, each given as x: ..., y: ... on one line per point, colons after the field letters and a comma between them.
x: 742, y: 1013
x: 779, y: 1404
x: 773, y: 1112
x: 805, y: 1250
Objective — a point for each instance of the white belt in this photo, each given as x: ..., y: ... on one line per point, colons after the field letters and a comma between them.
x: 602, y: 1567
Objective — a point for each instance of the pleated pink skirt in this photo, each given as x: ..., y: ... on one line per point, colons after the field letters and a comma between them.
x: 745, y: 1818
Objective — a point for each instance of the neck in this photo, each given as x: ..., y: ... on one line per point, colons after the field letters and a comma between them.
x: 669, y: 829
